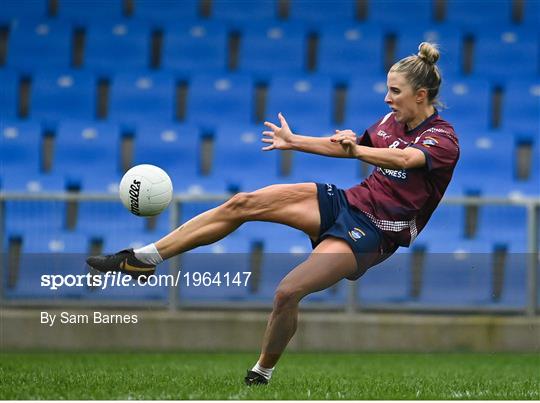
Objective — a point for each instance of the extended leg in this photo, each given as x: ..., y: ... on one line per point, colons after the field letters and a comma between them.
x: 293, y: 205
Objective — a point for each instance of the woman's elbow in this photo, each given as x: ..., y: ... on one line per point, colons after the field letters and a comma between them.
x: 403, y: 162
x: 412, y: 160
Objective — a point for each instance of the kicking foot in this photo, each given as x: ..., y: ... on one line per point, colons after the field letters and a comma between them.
x: 254, y: 378
x: 124, y: 262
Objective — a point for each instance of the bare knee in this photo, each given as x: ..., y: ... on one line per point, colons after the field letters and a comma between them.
x: 286, y: 297
x: 238, y: 206
x: 245, y: 206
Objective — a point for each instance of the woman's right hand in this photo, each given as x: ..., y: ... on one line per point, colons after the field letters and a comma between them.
x: 279, y: 138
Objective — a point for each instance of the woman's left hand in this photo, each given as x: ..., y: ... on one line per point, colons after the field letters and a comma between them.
x: 347, y: 140
x: 278, y: 138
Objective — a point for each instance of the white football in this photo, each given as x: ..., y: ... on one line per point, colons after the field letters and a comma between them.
x: 146, y: 190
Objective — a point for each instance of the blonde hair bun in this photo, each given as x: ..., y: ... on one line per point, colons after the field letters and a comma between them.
x: 428, y: 52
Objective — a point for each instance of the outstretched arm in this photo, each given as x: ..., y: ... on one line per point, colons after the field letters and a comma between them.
x: 342, y: 145
x: 282, y: 138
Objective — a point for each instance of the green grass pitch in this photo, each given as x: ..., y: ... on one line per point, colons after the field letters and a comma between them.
x: 299, y: 376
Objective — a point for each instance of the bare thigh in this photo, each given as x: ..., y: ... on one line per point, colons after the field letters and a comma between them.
x: 295, y: 205
x: 331, y: 261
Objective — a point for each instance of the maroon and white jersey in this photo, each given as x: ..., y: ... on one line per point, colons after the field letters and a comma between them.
x: 400, y: 202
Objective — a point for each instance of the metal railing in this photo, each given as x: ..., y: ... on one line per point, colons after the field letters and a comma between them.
x: 532, y: 206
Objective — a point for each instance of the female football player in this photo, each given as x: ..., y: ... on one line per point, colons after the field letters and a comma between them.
x: 414, y: 151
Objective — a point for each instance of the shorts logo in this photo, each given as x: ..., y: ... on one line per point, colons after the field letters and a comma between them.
x: 356, y: 234
x: 329, y: 189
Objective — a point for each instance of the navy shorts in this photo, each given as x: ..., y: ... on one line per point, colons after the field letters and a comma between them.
x: 341, y: 220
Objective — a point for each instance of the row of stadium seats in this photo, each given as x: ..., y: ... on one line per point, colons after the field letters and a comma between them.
x: 214, y: 99
x: 230, y: 158
x: 451, y: 228
x: 468, y: 276
x: 322, y: 11
x: 266, y: 48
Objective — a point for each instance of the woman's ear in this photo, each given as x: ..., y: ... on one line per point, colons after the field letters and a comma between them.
x: 421, y: 95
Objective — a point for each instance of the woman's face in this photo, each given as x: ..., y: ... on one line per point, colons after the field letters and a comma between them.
x: 401, y: 98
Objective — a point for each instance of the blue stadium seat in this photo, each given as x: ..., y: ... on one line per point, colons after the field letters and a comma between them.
x: 365, y: 102
x: 461, y: 274
x: 16, y: 10
x: 467, y: 103
x: 174, y: 148
x: 82, y: 11
x: 521, y: 107
x: 238, y: 159
x: 57, y: 242
x: 215, y: 99
x: 20, y: 153
x: 88, y: 154
x: 531, y: 14
x: 465, y: 14
x: 42, y: 217
x: 20, y: 147
x: 388, y: 282
x: 486, y: 164
x: 32, y: 182
x: 346, y: 50
x: 164, y: 11
x: 239, y: 12
x: 194, y: 47
x: 390, y: 13
x: 323, y: 12
x: 506, y: 54
x: 9, y: 96
x: 505, y: 225
x: 46, y: 253
x: 456, y: 279
x: 461, y: 247
x: 142, y: 97
x: 47, y: 41
x: 63, y: 94
x: 503, y: 180
x: 446, y: 222
x: 303, y: 100
x: 117, y: 46
x: 272, y: 48
x: 449, y: 39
